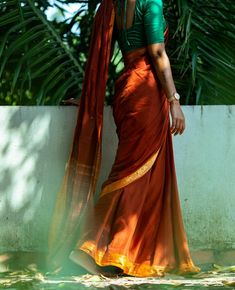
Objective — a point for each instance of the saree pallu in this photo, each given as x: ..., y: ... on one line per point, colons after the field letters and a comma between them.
x: 137, y: 223
x: 75, y: 196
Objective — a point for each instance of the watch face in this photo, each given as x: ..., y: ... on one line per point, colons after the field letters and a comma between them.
x: 177, y: 96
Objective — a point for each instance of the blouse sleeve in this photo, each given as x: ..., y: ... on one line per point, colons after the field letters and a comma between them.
x: 154, y: 21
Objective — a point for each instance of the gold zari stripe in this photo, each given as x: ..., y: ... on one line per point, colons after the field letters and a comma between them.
x: 130, y: 178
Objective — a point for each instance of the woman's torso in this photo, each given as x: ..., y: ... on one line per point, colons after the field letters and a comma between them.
x: 138, y: 35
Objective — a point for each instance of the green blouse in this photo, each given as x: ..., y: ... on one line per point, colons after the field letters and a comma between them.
x: 148, y: 26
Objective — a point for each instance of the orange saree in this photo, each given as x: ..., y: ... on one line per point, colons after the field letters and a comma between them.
x: 136, y: 224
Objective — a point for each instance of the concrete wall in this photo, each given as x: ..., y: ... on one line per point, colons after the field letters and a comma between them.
x: 34, y: 147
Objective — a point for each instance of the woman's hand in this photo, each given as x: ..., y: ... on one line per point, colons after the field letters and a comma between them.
x: 177, y: 116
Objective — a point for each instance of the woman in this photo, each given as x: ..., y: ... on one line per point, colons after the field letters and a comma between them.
x: 136, y: 225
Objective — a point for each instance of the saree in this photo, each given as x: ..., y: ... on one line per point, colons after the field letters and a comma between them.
x: 136, y: 224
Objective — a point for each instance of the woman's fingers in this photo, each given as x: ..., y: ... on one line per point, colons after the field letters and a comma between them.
x: 180, y: 130
x: 178, y: 126
x: 173, y: 125
x: 183, y: 127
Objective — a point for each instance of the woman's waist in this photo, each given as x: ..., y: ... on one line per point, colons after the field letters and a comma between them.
x: 138, y: 58
x: 136, y: 62
x: 137, y: 69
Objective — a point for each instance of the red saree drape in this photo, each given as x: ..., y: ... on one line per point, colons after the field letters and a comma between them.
x: 76, y: 193
x: 136, y: 223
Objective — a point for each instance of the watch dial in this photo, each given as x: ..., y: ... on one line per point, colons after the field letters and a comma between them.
x: 177, y: 96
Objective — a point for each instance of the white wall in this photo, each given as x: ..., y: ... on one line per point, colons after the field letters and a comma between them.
x: 34, y: 147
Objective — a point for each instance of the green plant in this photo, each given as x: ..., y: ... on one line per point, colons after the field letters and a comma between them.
x: 201, y: 49
x: 39, y: 66
x: 42, y: 62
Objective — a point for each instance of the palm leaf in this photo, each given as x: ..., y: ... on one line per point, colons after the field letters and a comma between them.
x: 202, y: 51
x: 35, y: 57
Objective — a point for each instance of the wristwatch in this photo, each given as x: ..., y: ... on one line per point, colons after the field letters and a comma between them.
x: 174, y: 96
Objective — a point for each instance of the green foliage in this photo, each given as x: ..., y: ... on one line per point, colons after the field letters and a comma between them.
x: 38, y: 64
x: 201, y: 49
x: 42, y: 62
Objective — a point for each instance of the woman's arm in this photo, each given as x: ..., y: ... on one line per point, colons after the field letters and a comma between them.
x: 163, y: 69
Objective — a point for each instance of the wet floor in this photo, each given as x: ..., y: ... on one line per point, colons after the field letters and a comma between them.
x: 30, y: 278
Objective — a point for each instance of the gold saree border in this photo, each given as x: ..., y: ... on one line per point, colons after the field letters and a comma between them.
x: 132, y: 177
x: 144, y: 269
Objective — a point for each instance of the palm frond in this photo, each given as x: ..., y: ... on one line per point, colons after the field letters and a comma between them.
x: 34, y: 57
x: 202, y: 51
